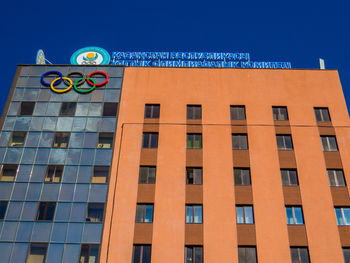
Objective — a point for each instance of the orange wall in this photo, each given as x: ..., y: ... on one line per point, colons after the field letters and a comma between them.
x: 216, y: 90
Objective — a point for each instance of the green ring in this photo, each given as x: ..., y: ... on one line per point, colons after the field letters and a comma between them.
x: 84, y: 91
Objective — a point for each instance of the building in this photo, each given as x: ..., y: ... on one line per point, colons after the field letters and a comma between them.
x: 201, y: 165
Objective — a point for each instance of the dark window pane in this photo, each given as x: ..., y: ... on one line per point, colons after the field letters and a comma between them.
x: 150, y: 140
x: 100, y: 174
x: 247, y: 255
x: 147, y: 175
x: 18, y: 139
x: 95, y: 212
x: 110, y: 109
x: 322, y: 115
x: 27, y: 108
x: 239, y: 142
x: 146, y: 254
x: 61, y: 140
x: 3, y: 207
x: 152, y: 111
x: 54, y: 173
x: 194, y: 112
x: 46, y: 211
x: 68, y: 108
x: 289, y: 177
x: 193, y: 175
x: 237, y: 113
x: 8, y: 172
x: 280, y: 113
x: 189, y: 254
x: 194, y: 141
x: 346, y: 252
x: 141, y: 254
x: 329, y: 143
x: 89, y: 253
x: 242, y: 176
x: 105, y: 140
x: 37, y: 253
x: 284, y: 142
x: 299, y: 255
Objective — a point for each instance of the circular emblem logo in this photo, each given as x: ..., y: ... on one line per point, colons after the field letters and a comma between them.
x: 90, y: 56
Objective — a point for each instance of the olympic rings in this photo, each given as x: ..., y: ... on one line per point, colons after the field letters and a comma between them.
x: 69, y: 82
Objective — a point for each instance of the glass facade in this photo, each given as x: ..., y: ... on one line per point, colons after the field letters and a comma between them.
x: 75, y: 156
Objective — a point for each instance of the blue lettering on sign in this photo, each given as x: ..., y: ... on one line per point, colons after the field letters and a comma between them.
x: 192, y: 60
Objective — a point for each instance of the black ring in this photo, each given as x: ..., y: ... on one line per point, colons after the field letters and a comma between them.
x: 81, y: 76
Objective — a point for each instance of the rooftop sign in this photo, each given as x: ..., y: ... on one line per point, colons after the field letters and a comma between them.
x: 191, y: 60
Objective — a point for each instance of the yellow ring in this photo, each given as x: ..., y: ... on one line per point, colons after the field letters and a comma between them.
x: 61, y: 90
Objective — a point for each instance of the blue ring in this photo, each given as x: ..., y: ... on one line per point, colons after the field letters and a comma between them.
x: 50, y: 72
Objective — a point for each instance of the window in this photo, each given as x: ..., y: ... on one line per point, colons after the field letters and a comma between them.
x: 343, y: 216
x: 194, y: 112
x: 105, y: 140
x: 46, y: 211
x: 194, y: 214
x: 141, y: 254
x: 68, y: 108
x: 322, y: 115
x: 193, y: 254
x: 237, y: 112
x: 299, y: 254
x: 289, y: 177
x: 3, y: 207
x: 144, y: 213
x: 336, y: 177
x: 150, y: 140
x: 26, y: 108
x: 244, y: 215
x: 89, y: 253
x: 61, y: 140
x: 346, y: 253
x: 95, y: 212
x: 54, y: 173
x: 239, y: 142
x: 100, y: 175
x: 8, y: 172
x: 329, y: 144
x: 37, y: 253
x: 284, y: 142
x: 194, y: 141
x: 193, y: 175
x: 18, y: 139
x: 152, y: 111
x: 147, y: 175
x: 242, y: 176
x: 294, y: 215
x: 110, y: 109
x: 246, y: 254
x: 280, y: 113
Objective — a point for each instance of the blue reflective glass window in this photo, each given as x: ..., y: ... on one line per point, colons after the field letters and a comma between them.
x: 85, y: 97
x: 9, y: 123
x: 37, y: 123
x: 13, y: 155
x: 111, y: 95
x: 92, y: 233
x: 82, y: 109
x: 58, y: 156
x: 81, y: 193
x: 41, y: 232
x: 97, y: 95
x: 55, y: 253
x: 34, y: 191
x: 40, y: 109
x: 103, y: 156
x: 64, y: 124
x: 29, y: 211
x: 74, y: 232
x: 38, y: 173
x: 44, y: 95
x: 19, y: 191
x: 24, y: 231
x: 67, y: 191
x: 98, y: 193
x: 95, y: 109
x: 294, y: 215
x: 71, y: 253
x: 18, y: 95
x: 69, y: 96
x: 42, y: 156
x: 90, y: 140
x: 87, y: 156
x: 115, y: 83
x: 78, y: 212
x: 19, y: 253
x: 70, y: 174
x: 93, y: 124
x: 4, y: 138
x: 62, y: 211
x: 49, y: 123
x: 24, y: 172
x: 53, y: 109
x: 14, y: 210
x: 9, y: 231
x: 50, y: 192
x: 108, y: 125
x: 59, y: 232
x: 73, y: 156
x: 13, y: 109
x: 79, y: 124
x: 76, y: 140
x: 32, y: 94
x: 5, y: 251
x: 5, y: 190
x: 46, y: 139
x: 85, y: 173
x: 2, y: 154
x: 28, y: 156
x: 22, y: 123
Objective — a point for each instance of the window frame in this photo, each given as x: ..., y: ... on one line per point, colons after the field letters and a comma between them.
x: 242, y: 176
x: 239, y: 136
x: 144, y: 210
x: 294, y: 215
x: 236, y: 115
x: 289, y: 177
x: 55, y: 167
x: 66, y: 112
x: 60, y: 136
x: 321, y: 111
x: 278, y: 112
x: 191, y: 111
x: 154, y: 111
x: 147, y: 138
x: 148, y: 180
x: 328, y: 146
x: 245, y: 217
x: 193, y: 208
x: 284, y: 148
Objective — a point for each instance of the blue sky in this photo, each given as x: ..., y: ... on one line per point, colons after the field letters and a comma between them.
x: 272, y: 30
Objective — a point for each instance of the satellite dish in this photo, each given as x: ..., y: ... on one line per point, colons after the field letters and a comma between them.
x: 40, y: 57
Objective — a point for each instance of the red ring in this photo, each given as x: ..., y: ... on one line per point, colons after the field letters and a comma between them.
x: 98, y: 84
